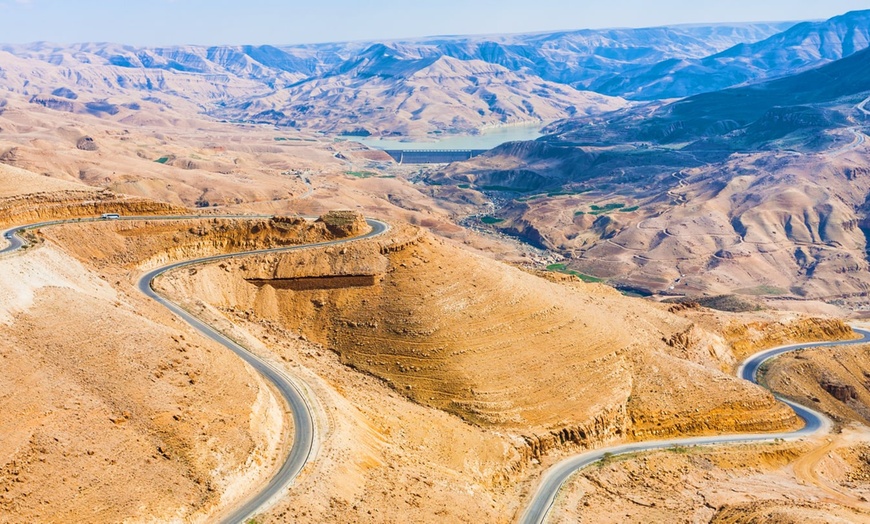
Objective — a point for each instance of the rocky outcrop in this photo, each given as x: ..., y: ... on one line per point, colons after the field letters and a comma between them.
x: 740, y: 417
x: 842, y: 392
x: 344, y: 223
x: 55, y: 104
x: 608, y: 425
x: 86, y: 143
x: 746, y: 339
x: 65, y: 92
x: 682, y: 339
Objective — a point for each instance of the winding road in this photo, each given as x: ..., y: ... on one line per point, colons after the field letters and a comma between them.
x: 303, y: 417
x: 555, y: 477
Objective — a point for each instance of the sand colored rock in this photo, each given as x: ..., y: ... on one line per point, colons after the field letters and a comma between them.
x: 87, y: 143
x: 762, y: 223
x: 835, y: 380
x: 344, y: 223
x: 450, y: 331
x: 740, y: 484
x: 443, y: 379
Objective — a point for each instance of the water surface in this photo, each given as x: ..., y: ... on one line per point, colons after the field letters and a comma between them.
x: 487, y: 139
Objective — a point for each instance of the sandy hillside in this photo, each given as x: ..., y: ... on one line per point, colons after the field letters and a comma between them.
x: 824, y: 479
x: 127, y: 414
x: 816, y: 482
x: 115, y: 383
x: 441, y: 355
x: 405, y: 318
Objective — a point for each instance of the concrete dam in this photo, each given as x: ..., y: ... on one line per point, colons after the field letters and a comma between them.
x: 433, y: 156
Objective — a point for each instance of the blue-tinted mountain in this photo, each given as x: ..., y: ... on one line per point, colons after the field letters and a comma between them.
x: 579, y: 58
x: 803, y: 46
x: 807, y: 103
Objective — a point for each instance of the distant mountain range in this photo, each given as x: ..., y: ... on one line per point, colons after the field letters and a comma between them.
x: 379, y: 94
x: 423, y: 86
x: 801, y: 106
x: 571, y: 57
x: 804, y: 46
x: 444, y: 84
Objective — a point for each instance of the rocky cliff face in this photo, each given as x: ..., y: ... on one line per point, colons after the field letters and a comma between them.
x: 41, y: 207
x: 344, y: 223
x: 139, y: 245
x: 749, y: 338
x: 833, y: 380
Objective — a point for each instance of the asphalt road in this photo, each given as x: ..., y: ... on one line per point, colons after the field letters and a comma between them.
x: 303, y: 421
x: 14, y: 242
x: 303, y: 417
x: 555, y: 477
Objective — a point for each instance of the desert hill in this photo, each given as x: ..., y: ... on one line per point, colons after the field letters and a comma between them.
x: 579, y: 58
x: 453, y: 329
x: 442, y: 381
x: 765, y: 223
x: 127, y: 414
x: 382, y: 95
x: 762, y: 185
x: 450, y: 330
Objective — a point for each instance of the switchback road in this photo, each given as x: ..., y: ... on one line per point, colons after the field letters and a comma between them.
x: 303, y: 417
x: 814, y: 422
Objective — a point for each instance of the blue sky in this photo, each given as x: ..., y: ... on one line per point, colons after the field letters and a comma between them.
x: 164, y: 22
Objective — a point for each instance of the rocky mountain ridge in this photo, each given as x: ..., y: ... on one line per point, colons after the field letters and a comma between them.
x: 264, y: 83
x: 804, y: 46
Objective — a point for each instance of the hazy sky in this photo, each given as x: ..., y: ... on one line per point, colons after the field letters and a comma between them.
x: 162, y: 22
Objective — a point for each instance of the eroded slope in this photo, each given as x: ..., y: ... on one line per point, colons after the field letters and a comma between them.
x: 113, y: 408
x: 494, y: 345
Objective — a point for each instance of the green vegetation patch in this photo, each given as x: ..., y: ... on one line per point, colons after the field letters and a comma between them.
x: 569, y: 192
x: 607, y: 208
x: 531, y: 197
x: 597, y: 210
x: 361, y: 174
x: 291, y: 139
x: 762, y: 291
x: 563, y: 268
x: 162, y: 160
x: 490, y: 220
x: 552, y: 194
